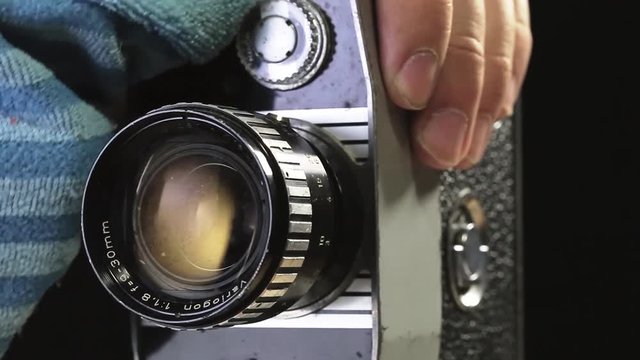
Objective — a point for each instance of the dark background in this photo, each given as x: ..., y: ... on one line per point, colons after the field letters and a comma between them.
x: 581, y: 201
x: 581, y: 165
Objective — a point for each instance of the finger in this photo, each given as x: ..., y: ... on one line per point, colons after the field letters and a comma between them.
x: 522, y: 52
x: 443, y: 131
x: 498, y: 64
x: 414, y: 35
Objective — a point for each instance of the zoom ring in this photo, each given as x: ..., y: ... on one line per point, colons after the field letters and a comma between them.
x: 292, y: 166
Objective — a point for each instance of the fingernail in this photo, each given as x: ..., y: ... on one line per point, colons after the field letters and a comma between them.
x: 505, y: 112
x: 443, y: 136
x: 512, y: 94
x: 488, y: 135
x: 482, y: 135
x: 416, y: 78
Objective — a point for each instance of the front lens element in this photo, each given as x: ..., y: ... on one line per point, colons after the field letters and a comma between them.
x: 194, y: 222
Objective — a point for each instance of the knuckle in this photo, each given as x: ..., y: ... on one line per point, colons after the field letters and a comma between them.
x: 446, y: 6
x: 521, y: 22
x: 500, y: 66
x: 470, y: 48
x: 524, y: 33
x: 496, y: 84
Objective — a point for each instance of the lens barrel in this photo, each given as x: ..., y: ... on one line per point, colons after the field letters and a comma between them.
x: 197, y: 216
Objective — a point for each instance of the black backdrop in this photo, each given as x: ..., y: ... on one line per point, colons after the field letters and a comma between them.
x: 581, y: 181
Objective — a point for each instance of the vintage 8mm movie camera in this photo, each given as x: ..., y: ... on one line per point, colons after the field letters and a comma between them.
x: 292, y: 222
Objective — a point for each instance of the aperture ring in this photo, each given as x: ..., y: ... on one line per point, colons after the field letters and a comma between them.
x: 293, y: 166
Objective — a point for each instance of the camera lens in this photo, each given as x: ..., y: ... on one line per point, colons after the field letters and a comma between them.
x: 197, y: 216
x: 194, y: 220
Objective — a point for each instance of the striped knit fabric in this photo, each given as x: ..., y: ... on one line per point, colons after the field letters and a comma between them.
x: 52, y: 130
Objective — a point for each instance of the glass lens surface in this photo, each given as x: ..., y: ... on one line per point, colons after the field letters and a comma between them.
x: 195, y: 222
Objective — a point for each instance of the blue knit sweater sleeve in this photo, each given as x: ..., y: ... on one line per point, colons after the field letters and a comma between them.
x: 50, y: 133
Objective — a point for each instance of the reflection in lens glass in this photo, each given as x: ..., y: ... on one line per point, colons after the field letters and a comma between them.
x: 196, y: 220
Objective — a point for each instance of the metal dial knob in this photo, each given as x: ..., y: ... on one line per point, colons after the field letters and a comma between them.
x: 468, y: 253
x: 285, y: 43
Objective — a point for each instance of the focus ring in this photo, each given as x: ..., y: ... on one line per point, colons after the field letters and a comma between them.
x: 293, y: 167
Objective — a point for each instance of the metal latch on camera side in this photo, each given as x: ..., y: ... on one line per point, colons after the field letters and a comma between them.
x: 467, y: 251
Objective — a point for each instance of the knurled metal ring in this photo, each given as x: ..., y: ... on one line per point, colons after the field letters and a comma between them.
x: 293, y: 167
x: 297, y: 30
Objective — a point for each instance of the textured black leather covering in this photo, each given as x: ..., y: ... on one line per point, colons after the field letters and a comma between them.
x: 489, y: 332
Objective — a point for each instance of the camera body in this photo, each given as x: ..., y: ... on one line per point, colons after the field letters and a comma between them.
x: 437, y: 274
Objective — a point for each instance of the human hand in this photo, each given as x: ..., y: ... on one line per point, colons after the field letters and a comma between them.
x: 459, y: 64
